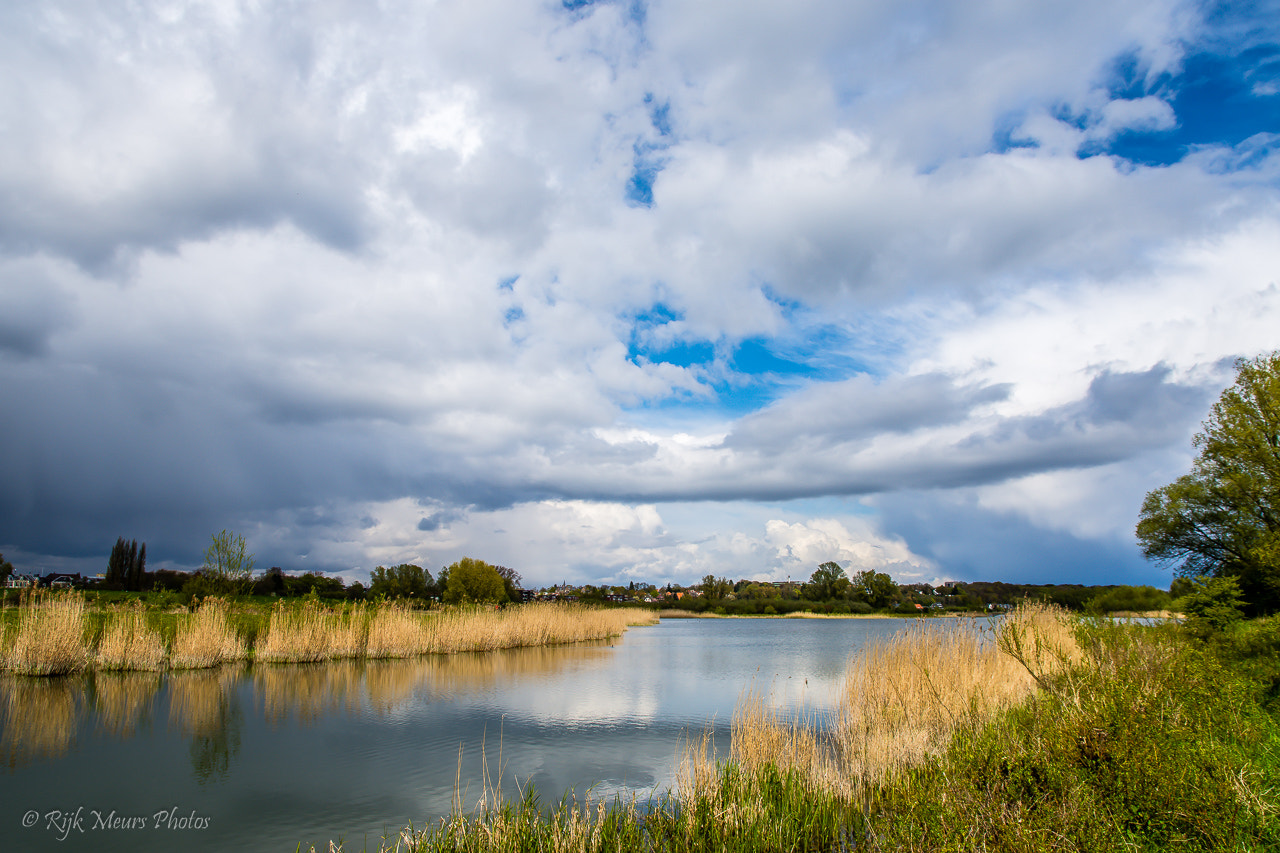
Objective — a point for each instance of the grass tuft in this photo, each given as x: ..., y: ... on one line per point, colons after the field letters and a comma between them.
x: 50, y: 636
x: 206, y: 638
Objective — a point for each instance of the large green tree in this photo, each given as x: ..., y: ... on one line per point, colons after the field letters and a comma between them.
x: 403, y: 581
x: 471, y: 581
x: 875, y: 588
x: 1223, y: 518
x: 827, y: 583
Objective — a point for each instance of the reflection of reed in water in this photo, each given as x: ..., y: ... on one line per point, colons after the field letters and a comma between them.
x: 307, y: 691
x: 389, y: 683
x: 203, y: 706
x: 40, y: 716
x: 198, y: 700
x: 124, y: 700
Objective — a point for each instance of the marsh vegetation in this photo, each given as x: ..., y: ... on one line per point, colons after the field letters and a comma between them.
x: 63, y: 633
x: 1053, y: 734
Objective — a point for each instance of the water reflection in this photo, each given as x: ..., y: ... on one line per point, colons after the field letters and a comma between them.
x: 204, y: 706
x: 306, y: 692
x: 279, y: 753
x: 124, y: 701
x: 40, y: 717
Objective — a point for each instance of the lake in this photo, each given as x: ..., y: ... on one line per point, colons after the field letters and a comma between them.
x: 269, y: 756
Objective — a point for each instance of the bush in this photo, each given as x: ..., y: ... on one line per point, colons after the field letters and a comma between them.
x: 1155, y: 743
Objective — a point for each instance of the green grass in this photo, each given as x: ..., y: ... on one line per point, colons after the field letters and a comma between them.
x: 1158, y: 744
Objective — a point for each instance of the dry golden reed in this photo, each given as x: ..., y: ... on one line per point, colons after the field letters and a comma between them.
x: 50, y: 637
x: 481, y: 630
x: 129, y: 644
x: 206, y: 638
x: 904, y: 698
x: 310, y: 633
x: 395, y: 631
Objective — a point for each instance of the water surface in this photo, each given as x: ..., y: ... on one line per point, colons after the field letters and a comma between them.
x: 269, y: 756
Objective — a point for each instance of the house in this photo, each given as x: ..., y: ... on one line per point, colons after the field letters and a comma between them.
x: 17, y: 581
x: 61, y: 581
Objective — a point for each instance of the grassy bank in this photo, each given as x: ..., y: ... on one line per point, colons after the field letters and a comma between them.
x: 59, y: 634
x: 1053, y: 735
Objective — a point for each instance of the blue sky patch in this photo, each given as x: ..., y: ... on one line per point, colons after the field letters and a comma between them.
x: 1218, y: 100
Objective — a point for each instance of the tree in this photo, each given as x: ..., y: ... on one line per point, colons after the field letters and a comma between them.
x: 403, y: 581
x: 1223, y: 518
x: 227, y: 561
x: 715, y: 588
x: 827, y: 583
x: 472, y: 581
x: 127, y: 565
x: 511, y: 581
x: 1212, y: 605
x: 875, y: 588
x: 6, y: 569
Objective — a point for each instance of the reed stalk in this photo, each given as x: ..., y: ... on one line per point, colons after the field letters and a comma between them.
x: 129, y: 644
x: 50, y: 636
x: 311, y: 633
x: 206, y: 638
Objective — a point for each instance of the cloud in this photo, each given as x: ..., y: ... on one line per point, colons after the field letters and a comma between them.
x: 609, y: 290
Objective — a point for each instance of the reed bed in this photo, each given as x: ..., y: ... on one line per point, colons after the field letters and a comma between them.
x: 50, y: 636
x: 128, y: 643
x: 395, y: 631
x: 479, y: 630
x: 311, y: 633
x: 206, y: 638
x: 52, y: 633
x: 902, y: 702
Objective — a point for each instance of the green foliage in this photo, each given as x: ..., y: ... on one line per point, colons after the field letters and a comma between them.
x: 875, y: 588
x: 228, y: 562
x: 1156, y: 743
x: 1212, y: 605
x: 471, y: 581
x: 1131, y: 599
x: 6, y: 569
x: 403, y: 581
x: 1223, y: 518
x: 714, y: 588
x: 827, y: 583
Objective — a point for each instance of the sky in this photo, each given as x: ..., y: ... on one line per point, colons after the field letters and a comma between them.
x: 614, y: 291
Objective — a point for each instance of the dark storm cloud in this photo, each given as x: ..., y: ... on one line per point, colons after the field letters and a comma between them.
x: 978, y: 544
